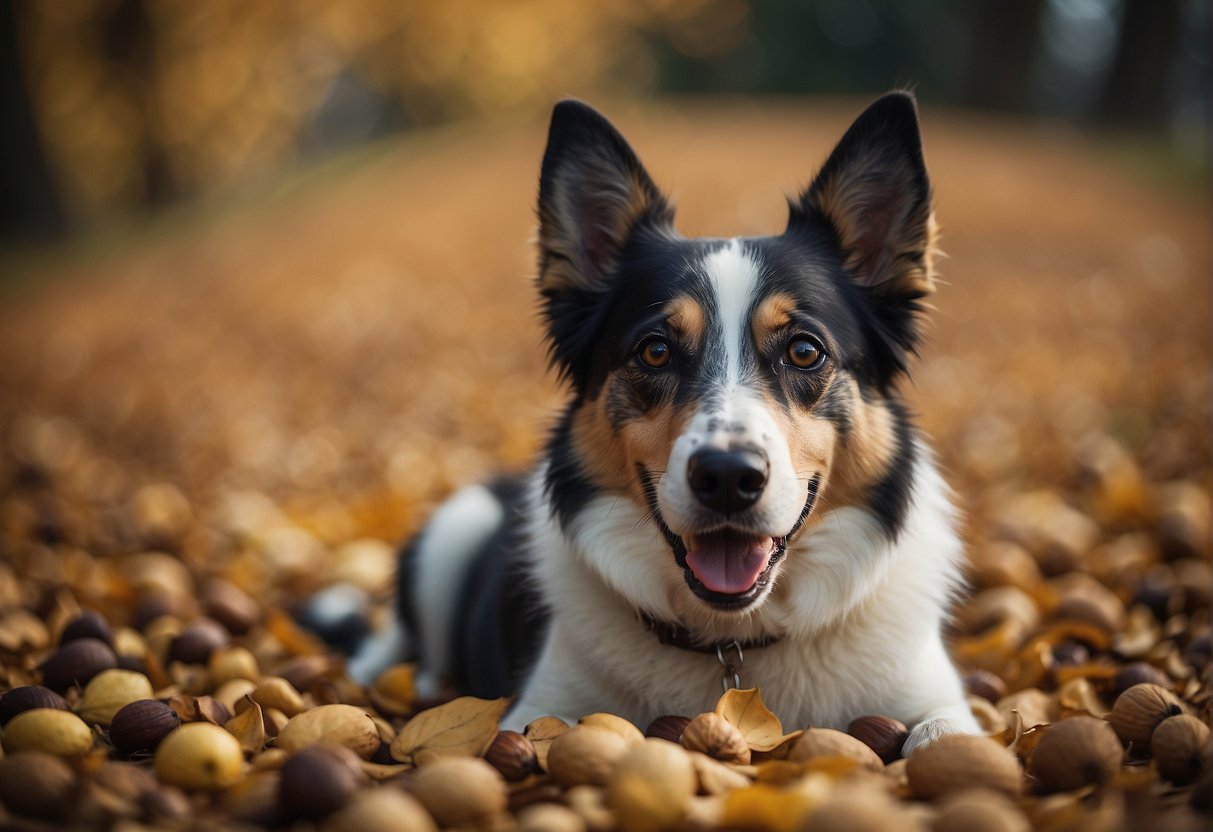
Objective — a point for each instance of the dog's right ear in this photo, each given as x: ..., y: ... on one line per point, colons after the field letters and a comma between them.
x: 593, y: 195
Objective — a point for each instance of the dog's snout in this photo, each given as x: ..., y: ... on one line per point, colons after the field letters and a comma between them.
x: 728, y: 481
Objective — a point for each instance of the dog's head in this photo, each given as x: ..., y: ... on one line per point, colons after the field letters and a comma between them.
x: 726, y: 386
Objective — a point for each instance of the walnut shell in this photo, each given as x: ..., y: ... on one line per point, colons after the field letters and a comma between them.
x: 960, y: 761
x: 1139, y: 710
x: 47, y: 729
x: 826, y: 742
x: 1181, y: 748
x: 715, y: 736
x: 1076, y: 752
x: 585, y: 755
x: 461, y: 790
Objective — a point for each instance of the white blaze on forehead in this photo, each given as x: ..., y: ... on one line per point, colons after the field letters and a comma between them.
x: 733, y: 276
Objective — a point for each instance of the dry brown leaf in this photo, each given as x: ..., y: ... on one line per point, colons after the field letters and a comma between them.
x: 714, y: 776
x: 541, y: 732
x: 379, y: 771
x: 249, y: 727
x: 1078, y: 696
x: 462, y: 727
x: 744, y: 710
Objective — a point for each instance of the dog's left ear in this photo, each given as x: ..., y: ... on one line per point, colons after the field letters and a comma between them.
x: 874, y: 191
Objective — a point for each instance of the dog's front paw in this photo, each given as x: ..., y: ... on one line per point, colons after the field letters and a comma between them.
x: 927, y: 731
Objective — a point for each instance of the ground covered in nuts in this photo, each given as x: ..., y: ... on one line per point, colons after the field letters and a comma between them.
x: 205, y: 422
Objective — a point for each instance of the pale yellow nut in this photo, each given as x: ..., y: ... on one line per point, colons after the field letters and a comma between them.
x: 199, y: 756
x: 651, y: 786
x: 460, y: 790
x: 109, y: 691
x: 585, y: 755
x: 47, y: 729
x: 382, y: 810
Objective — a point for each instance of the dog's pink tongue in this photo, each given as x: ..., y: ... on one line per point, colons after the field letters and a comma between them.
x: 729, y: 563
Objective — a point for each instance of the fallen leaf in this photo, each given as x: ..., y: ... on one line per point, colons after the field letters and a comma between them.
x: 248, y: 726
x: 1077, y: 697
x: 541, y: 732
x: 462, y: 727
x: 744, y: 709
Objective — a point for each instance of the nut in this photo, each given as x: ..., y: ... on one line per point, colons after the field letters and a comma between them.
x: 88, y: 624
x: 826, y: 742
x: 651, y: 786
x: 461, y: 790
x: 384, y: 810
x: 959, y: 761
x: 715, y: 736
x: 1137, y: 673
x: 35, y: 783
x: 1181, y: 748
x: 24, y: 698
x: 882, y: 734
x: 343, y: 725
x: 1076, y: 752
x: 318, y: 781
x: 140, y: 726
x: 855, y: 810
x: 76, y: 663
x: 230, y: 606
x: 199, y: 756
x: 985, y: 684
x: 57, y: 732
x: 610, y: 722
x: 1139, y: 710
x: 109, y: 691
x: 585, y: 755
x: 513, y: 755
x: 667, y: 728
x: 549, y: 817
x: 979, y: 810
x: 256, y: 799
x: 228, y: 663
x: 196, y: 643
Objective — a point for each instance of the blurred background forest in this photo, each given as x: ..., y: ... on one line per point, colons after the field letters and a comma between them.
x: 120, y: 106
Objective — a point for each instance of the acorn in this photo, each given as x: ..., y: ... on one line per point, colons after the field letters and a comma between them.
x: 667, y: 728
x: 461, y: 791
x: 36, y: 784
x: 1135, y: 673
x: 1181, y: 748
x: 318, y: 781
x: 76, y: 663
x: 109, y: 691
x: 882, y: 734
x: 513, y: 755
x: 140, y: 726
x: 826, y: 742
x: 959, y: 761
x: 196, y: 643
x: 715, y: 736
x: 199, y: 756
x: 1074, y: 753
x: 47, y: 729
x: 585, y: 755
x: 88, y: 624
x: 17, y: 700
x: 1139, y: 710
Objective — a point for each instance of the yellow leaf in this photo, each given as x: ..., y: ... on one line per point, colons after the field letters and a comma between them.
x: 462, y: 727
x: 248, y: 727
x: 541, y: 732
x: 744, y: 710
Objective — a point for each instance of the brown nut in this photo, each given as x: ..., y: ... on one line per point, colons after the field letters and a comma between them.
x: 513, y: 755
x: 1074, y: 753
x: 229, y: 663
x: 76, y: 663
x: 343, y: 725
x: 318, y: 781
x: 461, y: 790
x: 985, y: 684
x: 47, y: 729
x: 668, y: 728
x: 199, y: 756
x: 109, y: 691
x: 139, y: 727
x: 1136, y: 673
x: 650, y: 788
x: 715, y: 736
x: 1139, y: 710
x: 882, y: 734
x: 549, y: 817
x: 230, y: 605
x: 826, y: 742
x: 196, y: 643
x: 959, y: 761
x: 37, y: 784
x: 979, y: 810
x: 27, y: 697
x: 88, y: 624
x: 585, y: 755
x: 384, y: 810
x: 1181, y: 748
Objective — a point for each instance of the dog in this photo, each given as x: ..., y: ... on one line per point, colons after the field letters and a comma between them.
x: 735, y: 495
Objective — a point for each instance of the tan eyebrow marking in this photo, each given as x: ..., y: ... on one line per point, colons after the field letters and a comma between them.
x: 685, y: 316
x: 773, y: 313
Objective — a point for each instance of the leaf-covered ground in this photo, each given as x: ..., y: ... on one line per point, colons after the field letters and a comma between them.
x: 274, y: 392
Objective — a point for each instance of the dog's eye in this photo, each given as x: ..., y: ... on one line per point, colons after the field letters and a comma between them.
x: 804, y: 354
x: 655, y: 353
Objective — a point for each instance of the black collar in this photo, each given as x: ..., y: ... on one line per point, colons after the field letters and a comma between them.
x: 675, y: 635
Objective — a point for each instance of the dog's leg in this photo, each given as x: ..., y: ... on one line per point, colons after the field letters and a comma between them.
x: 939, y: 707
x: 559, y: 686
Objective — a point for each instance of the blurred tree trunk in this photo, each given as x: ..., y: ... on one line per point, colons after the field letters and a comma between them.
x: 29, y: 200
x: 1005, y: 37
x: 1137, y: 86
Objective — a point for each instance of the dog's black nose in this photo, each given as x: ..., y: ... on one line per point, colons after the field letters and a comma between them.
x: 727, y: 481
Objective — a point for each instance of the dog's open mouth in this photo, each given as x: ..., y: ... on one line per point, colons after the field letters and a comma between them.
x: 730, y: 562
